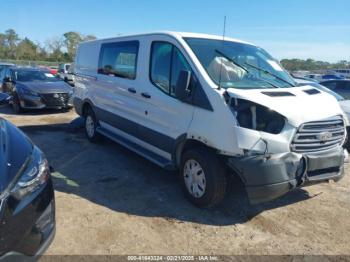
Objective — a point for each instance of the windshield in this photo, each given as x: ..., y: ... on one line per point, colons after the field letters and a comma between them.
x: 34, y: 75
x: 239, y: 65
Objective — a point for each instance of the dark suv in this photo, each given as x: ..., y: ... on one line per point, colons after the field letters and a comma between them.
x: 27, y: 205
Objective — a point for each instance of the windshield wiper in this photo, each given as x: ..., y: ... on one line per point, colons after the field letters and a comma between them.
x: 242, y: 67
x: 269, y: 73
x: 232, y: 61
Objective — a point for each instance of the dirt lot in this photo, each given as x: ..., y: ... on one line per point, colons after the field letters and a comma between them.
x: 111, y: 201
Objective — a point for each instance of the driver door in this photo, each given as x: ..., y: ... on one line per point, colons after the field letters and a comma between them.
x: 166, y: 117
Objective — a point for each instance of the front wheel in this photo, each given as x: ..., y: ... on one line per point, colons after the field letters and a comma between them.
x: 91, y: 125
x: 203, y: 177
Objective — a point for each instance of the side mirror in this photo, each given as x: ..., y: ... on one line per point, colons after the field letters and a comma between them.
x: 4, y: 98
x: 182, y: 91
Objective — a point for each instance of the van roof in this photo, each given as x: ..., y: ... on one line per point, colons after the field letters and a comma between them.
x: 176, y: 35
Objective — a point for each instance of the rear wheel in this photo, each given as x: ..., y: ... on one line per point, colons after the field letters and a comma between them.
x: 91, y: 125
x: 203, y: 177
x: 16, y: 105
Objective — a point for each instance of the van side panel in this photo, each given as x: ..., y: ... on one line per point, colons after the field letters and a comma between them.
x: 120, y: 105
x: 87, y: 58
x: 85, y: 68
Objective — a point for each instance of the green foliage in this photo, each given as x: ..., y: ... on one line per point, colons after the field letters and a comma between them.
x: 26, y: 49
x: 72, y: 39
x: 56, y: 49
x: 311, y: 65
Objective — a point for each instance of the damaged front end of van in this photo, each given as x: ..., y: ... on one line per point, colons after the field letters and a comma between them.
x: 288, y: 139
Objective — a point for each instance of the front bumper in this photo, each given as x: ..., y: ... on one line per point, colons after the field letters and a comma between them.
x: 27, y: 226
x: 267, y: 178
x: 16, y: 256
x: 49, y: 101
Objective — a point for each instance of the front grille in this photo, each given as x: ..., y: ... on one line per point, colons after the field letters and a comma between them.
x: 59, y: 99
x: 319, y: 135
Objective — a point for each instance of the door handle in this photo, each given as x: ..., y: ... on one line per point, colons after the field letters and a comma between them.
x: 146, y: 95
x: 132, y: 90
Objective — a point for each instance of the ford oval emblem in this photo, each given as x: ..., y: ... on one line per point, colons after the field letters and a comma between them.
x: 325, y: 136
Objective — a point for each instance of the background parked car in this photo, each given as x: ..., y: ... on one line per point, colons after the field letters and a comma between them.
x: 322, y: 77
x: 65, y: 72
x: 36, y: 89
x: 304, y: 81
x: 329, y: 76
x: 3, y: 66
x: 343, y: 72
x: 27, y: 205
x: 315, y: 77
x: 53, y: 70
x: 340, y: 86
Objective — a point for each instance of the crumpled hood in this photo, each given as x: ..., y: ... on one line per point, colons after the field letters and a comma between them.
x: 298, y: 108
x: 15, y: 148
x: 45, y: 87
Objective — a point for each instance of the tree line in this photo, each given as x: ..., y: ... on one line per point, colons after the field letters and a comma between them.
x: 313, y: 65
x: 55, y: 49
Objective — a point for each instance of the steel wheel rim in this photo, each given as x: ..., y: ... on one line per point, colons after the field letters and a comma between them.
x: 90, y: 126
x: 194, y: 178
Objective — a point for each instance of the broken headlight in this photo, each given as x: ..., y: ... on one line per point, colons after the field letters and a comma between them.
x: 257, y: 117
x: 35, y: 175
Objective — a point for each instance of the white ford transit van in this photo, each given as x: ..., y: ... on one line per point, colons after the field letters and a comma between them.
x: 210, y: 108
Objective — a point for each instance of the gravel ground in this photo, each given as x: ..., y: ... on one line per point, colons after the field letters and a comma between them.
x: 111, y: 201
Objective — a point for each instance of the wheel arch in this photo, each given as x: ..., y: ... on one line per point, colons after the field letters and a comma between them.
x: 86, y: 105
x: 183, y: 144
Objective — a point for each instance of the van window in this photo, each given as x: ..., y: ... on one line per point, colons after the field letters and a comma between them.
x: 160, y: 65
x: 167, y: 62
x: 179, y: 64
x: 119, y: 59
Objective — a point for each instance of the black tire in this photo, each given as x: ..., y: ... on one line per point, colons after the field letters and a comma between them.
x: 16, y: 106
x: 90, y: 118
x: 215, y: 177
